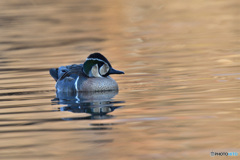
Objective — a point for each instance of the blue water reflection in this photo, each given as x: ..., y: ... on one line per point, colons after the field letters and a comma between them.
x: 98, y: 104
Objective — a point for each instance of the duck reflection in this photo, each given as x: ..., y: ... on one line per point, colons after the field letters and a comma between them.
x: 98, y: 104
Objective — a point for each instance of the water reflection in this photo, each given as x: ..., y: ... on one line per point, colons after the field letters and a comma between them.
x: 98, y: 104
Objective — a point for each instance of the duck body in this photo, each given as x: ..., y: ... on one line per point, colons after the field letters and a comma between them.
x: 90, y: 76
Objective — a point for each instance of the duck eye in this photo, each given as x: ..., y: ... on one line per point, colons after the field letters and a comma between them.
x: 104, y: 69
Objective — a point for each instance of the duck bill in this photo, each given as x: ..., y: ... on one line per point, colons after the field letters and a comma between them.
x: 114, y: 71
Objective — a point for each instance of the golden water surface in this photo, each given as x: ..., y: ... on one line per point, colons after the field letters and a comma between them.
x: 178, y: 99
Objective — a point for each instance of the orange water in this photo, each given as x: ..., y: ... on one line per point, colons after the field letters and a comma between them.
x: 179, y: 97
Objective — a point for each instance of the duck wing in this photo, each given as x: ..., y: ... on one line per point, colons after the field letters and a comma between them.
x: 66, y: 74
x: 65, y: 71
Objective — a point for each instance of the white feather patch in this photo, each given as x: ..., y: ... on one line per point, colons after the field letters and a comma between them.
x: 95, y: 59
x: 94, y: 72
x: 76, y: 83
x: 104, y: 69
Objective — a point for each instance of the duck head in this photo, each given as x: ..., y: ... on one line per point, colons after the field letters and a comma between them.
x: 96, y: 65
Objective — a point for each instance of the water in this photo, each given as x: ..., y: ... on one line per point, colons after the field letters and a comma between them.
x: 179, y: 97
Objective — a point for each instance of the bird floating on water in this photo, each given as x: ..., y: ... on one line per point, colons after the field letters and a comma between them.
x: 92, y: 75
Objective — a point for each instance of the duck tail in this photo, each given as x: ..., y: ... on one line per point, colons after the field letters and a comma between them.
x: 54, y: 73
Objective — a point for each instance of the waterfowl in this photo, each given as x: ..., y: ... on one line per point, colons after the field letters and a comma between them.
x: 92, y: 75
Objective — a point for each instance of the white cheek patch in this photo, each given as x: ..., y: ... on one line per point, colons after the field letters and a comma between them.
x: 94, y: 72
x: 104, y: 69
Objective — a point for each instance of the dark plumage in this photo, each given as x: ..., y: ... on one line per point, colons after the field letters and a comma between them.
x: 93, y: 75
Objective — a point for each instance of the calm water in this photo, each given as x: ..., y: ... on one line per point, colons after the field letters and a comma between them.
x: 179, y: 97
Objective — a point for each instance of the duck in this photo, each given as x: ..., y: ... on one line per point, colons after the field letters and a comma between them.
x: 92, y: 75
